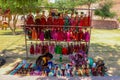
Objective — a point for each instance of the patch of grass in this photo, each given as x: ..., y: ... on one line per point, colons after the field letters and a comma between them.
x: 9, y: 41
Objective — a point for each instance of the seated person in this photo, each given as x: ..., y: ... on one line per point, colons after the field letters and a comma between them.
x: 42, y: 61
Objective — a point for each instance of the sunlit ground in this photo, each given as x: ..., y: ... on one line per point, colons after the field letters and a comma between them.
x: 105, y: 44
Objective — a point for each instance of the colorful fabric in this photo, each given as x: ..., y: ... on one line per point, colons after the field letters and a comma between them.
x: 58, y: 49
x: 30, y: 20
x: 34, y: 34
x: 37, y: 21
x: 65, y: 51
x: 51, y: 49
x: 50, y: 20
x: 87, y: 36
x: 37, y: 49
x: 32, y: 50
x: 41, y: 37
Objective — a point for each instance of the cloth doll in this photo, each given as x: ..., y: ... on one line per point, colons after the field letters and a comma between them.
x: 68, y: 35
x: 59, y: 37
x: 87, y: 36
x: 60, y: 21
x: 100, y: 67
x: 71, y: 35
x: 72, y: 20
x: 66, y: 21
x: 32, y: 50
x: 65, y: 35
x: 89, y: 19
x: 34, y: 34
x: 62, y: 35
x: 47, y: 35
x: 70, y: 48
x: 30, y: 19
x: 37, y: 18
x: 52, y: 48
x: 85, y: 20
x: 76, y: 36
x: 53, y: 32
x: 40, y: 48
x: 56, y: 35
x: 50, y: 20
x: 64, y: 50
x: 45, y: 48
x: 76, y: 22
x: 80, y: 33
x: 41, y: 37
x: 81, y: 22
x: 36, y: 49
x: 4, y: 25
x: 58, y: 49
x: 43, y: 19
x: 55, y: 22
x: 87, y: 70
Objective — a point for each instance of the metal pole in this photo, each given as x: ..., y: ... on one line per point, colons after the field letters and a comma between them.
x: 26, y: 42
x: 90, y: 29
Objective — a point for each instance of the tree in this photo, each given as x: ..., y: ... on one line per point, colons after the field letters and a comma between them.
x: 62, y: 4
x: 17, y: 7
x: 87, y: 2
x: 104, y: 10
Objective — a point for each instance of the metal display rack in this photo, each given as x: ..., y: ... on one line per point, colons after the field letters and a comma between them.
x: 57, y: 26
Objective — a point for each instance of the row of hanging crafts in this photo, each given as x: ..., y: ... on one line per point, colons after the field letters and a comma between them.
x: 58, y: 34
x: 58, y: 48
x: 59, y: 19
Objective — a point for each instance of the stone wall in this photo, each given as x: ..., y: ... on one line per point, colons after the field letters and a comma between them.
x: 105, y: 24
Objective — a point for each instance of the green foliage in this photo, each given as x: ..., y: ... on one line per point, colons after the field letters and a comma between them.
x: 118, y: 19
x: 62, y: 4
x: 18, y: 6
x: 104, y: 10
x: 87, y: 2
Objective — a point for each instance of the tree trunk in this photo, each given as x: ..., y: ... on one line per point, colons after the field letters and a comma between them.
x: 9, y: 24
x: 15, y: 19
x: 13, y: 28
x: 13, y: 31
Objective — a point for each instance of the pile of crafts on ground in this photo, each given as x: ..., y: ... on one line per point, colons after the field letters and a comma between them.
x: 77, y: 67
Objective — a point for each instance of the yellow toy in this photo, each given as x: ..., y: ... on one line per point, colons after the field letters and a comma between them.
x: 4, y: 26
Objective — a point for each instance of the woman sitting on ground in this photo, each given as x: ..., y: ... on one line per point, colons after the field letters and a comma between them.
x: 42, y: 61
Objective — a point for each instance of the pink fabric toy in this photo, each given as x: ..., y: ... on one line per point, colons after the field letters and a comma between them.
x: 87, y: 36
x: 68, y: 36
x: 41, y: 36
x: 51, y: 48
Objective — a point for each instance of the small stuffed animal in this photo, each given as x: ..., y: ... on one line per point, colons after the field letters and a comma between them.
x: 101, y: 69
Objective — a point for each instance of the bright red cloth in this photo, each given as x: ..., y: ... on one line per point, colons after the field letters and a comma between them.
x: 64, y: 51
x: 32, y: 51
x: 30, y: 20
x: 50, y: 20
x: 60, y: 22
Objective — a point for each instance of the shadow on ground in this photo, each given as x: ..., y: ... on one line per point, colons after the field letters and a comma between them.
x: 109, y: 53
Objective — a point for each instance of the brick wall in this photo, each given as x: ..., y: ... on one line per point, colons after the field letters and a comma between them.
x: 105, y: 24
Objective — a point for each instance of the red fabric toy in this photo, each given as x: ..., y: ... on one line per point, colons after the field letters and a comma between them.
x: 64, y: 51
x: 60, y: 21
x: 32, y: 50
x: 30, y: 19
x: 50, y: 20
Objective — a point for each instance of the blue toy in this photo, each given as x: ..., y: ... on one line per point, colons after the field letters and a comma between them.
x: 50, y: 65
x: 91, y: 61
